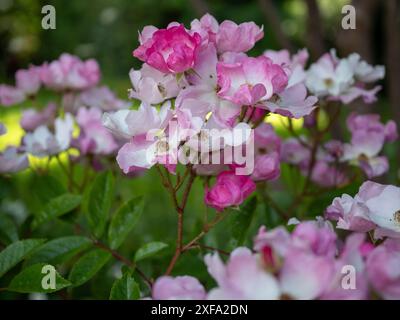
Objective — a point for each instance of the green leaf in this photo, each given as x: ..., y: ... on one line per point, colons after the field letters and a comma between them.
x: 99, y: 202
x: 124, y: 220
x: 47, y: 187
x: 57, y: 207
x: 30, y: 280
x: 87, y: 266
x: 8, y: 229
x: 16, y: 252
x: 242, y: 220
x: 148, y: 250
x: 125, y: 288
x: 57, y: 250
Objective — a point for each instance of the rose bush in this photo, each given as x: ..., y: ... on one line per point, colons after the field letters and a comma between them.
x: 203, y: 117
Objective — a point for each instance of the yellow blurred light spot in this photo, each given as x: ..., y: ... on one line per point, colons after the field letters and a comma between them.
x: 14, y: 133
x: 281, y: 123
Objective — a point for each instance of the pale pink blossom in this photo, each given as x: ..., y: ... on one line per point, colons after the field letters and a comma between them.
x: 350, y: 214
x: 70, y: 73
x: 32, y: 118
x: 343, y: 79
x: 94, y: 137
x: 383, y: 269
x: 293, y: 102
x: 237, y: 38
x: 102, y: 98
x: 152, y: 86
x: 179, y: 288
x: 43, y: 142
x: 368, y: 138
x: 266, y: 167
x: 29, y: 80
x: 242, y: 278
x: 10, y: 96
x: 201, y: 96
x: 374, y: 207
x: 207, y: 27
x: 250, y: 81
x: 129, y: 123
x: 12, y: 160
x: 353, y: 254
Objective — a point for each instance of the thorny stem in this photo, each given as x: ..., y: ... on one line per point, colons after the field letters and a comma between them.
x: 180, y: 210
x: 96, y: 242
x: 124, y: 260
x: 202, y: 246
x: 205, y: 230
x: 318, y: 137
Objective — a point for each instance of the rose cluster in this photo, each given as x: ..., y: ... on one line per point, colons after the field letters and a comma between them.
x: 201, y: 79
x: 78, y: 103
x: 311, y: 262
x: 206, y: 105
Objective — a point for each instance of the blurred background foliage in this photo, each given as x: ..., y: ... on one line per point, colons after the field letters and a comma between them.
x: 107, y: 30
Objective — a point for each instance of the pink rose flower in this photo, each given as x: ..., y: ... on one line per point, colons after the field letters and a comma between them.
x: 229, y: 190
x: 237, y: 38
x: 10, y: 95
x: 179, y: 288
x: 241, y: 278
x: 31, y: 118
x: 94, y: 137
x: 250, y: 81
x: 171, y: 50
x: 70, y: 73
x: 266, y: 167
x: 29, y: 80
x: 383, y: 269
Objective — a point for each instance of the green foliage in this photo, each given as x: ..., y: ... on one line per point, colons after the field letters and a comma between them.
x: 99, y: 202
x: 123, y: 221
x: 57, y: 207
x: 30, y: 280
x: 87, y: 266
x: 125, y: 288
x: 148, y: 250
x: 8, y: 229
x: 241, y: 221
x: 16, y: 252
x: 59, y: 250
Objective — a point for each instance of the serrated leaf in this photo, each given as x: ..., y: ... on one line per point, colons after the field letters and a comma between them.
x: 57, y: 207
x: 87, y: 266
x: 99, y: 202
x: 16, y: 252
x: 30, y: 280
x: 55, y: 250
x: 8, y: 229
x: 241, y: 221
x: 149, y: 249
x: 123, y: 221
x: 125, y: 288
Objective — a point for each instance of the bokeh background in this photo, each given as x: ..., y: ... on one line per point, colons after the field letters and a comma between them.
x: 108, y: 30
